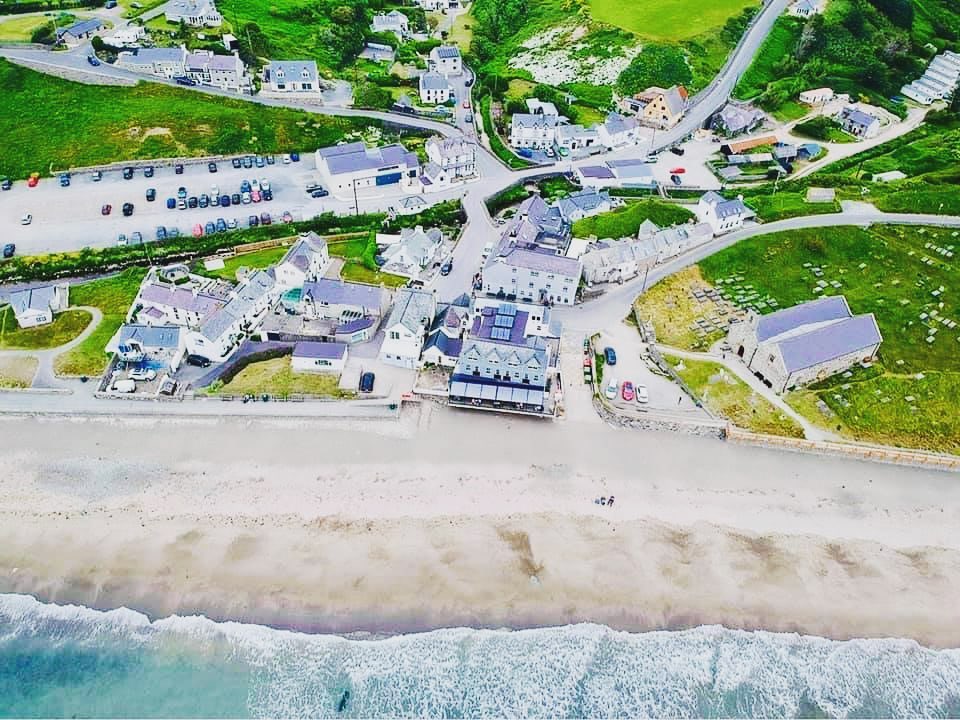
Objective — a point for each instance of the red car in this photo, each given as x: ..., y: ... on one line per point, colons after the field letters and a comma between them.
x: 287, y: 217
x: 33, y: 180
x: 255, y: 195
x: 677, y: 171
x: 627, y: 391
x: 105, y: 210
x: 466, y: 104
x: 198, y: 230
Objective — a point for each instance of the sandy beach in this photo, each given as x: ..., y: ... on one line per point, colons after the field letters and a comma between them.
x: 448, y: 518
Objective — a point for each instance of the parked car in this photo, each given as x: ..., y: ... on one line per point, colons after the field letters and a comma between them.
x: 267, y: 195
x: 248, y: 162
x: 26, y: 219
x: 612, y: 387
x: 64, y: 179
x: 128, y: 173
x: 8, y: 250
x: 215, y: 201
x: 192, y: 202
x: 264, y: 185
x: 178, y: 169
x: 212, y: 167
x: 106, y: 209
x: 643, y: 397
x: 161, y: 232
x: 124, y: 386
x: 121, y: 239
x: 171, y: 203
x: 209, y: 229
x: 626, y: 392
x: 198, y: 361
x: 287, y: 217
x: 610, y: 355
x: 676, y: 179
x: 181, y: 80
x: 142, y: 374
x: 203, y: 201
x: 232, y: 224
x: 468, y: 117
x: 678, y: 151
x: 236, y: 163
x: 265, y: 218
x: 93, y: 60
x: 151, y: 194
x: 466, y: 104
x: 5, y: 183
x: 96, y: 176
x: 255, y: 196
x: 260, y: 162
x: 148, y: 171
x: 246, y: 197
x: 253, y: 221
x: 127, y: 209
x: 182, y: 203
x: 136, y: 238
x: 198, y: 230
x: 366, y: 382
x: 221, y: 225
x: 319, y: 193
x: 271, y: 160
x: 173, y: 232
x: 525, y: 152
x: 446, y: 268
x: 181, y: 192
x: 236, y: 199
x: 295, y: 157
x: 224, y: 200
x: 33, y: 180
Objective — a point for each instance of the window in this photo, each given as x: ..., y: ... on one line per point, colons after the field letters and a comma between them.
x: 394, y: 335
x: 770, y: 359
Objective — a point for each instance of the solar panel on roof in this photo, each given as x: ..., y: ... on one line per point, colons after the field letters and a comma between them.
x: 507, y: 309
x: 503, y: 321
x: 499, y: 333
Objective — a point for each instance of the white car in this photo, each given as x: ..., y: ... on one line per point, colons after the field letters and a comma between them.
x: 26, y: 219
x: 254, y: 184
x: 246, y: 198
x: 142, y: 374
x: 264, y: 184
x: 640, y: 391
x: 286, y: 159
x: 214, y: 191
x: 612, y: 387
x: 124, y: 386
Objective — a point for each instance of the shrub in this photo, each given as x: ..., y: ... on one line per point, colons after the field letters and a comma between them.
x: 235, y: 368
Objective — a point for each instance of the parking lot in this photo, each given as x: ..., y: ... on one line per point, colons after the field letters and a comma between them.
x: 70, y: 218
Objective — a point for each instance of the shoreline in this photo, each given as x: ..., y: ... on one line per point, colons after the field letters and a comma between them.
x: 443, y: 520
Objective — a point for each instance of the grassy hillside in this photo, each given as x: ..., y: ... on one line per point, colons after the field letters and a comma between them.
x: 865, y: 48
x: 667, y: 20
x: 77, y: 125
x: 626, y: 221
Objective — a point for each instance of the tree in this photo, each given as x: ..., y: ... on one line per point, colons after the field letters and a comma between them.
x: 661, y: 65
x: 899, y: 12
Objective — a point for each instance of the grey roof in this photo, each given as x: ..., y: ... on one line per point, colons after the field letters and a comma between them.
x: 625, y: 169
x: 600, y: 172
x: 534, y: 354
x: 617, y: 123
x: 302, y: 251
x: 584, y: 200
x: 724, y: 208
x: 534, y: 120
x: 180, y: 298
x: 354, y: 325
x: 388, y: 21
x: 574, y: 131
x: 816, y: 311
x: 39, y: 298
x: 431, y: 80
x: 730, y: 173
x: 829, y: 342
x: 186, y: 7
x: 413, y: 309
x: 239, y: 306
x: 444, y: 343
x: 447, y: 51
x: 356, y: 156
x: 674, y: 100
x: 148, y: 56
x: 855, y: 116
x: 320, y: 350
x: 82, y: 27
x: 541, y: 261
x: 166, y: 337
x: 338, y: 292
x: 292, y: 69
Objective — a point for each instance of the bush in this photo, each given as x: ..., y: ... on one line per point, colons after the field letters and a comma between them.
x: 662, y: 65
x: 507, y: 197
x: 231, y: 372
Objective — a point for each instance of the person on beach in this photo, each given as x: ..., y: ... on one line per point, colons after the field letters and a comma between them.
x: 610, y: 501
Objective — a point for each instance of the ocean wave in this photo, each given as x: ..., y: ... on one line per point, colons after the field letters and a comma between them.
x: 572, y: 671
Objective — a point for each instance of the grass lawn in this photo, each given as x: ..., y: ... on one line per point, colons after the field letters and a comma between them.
x: 20, y: 29
x: 667, y: 20
x: 778, y: 44
x: 91, y: 124
x: 113, y: 296
x: 64, y: 328
x: 671, y: 308
x: 357, y: 272
x: 461, y: 32
x: 358, y: 265
x: 626, y: 221
x: 276, y: 377
x: 728, y: 396
x: 17, y: 372
x: 892, y: 272
x: 255, y: 260
x: 785, y: 204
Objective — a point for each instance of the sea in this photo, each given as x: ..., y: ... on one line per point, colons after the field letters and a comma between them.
x: 71, y: 661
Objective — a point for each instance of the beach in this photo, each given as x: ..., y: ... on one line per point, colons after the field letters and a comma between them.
x: 448, y: 518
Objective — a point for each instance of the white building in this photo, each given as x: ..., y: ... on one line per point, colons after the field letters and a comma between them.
x: 392, y: 22
x: 434, y: 88
x: 456, y: 155
x: 817, y: 96
x: 354, y: 166
x: 306, y: 260
x: 617, y: 173
x: 311, y: 356
x: 291, y: 76
x: 618, y: 131
x: 407, y: 326
x: 721, y: 214
x: 805, y: 343
x: 446, y: 60
x: 577, y: 137
x: 197, y: 13
x: 584, y: 203
x: 410, y: 252
x: 528, y: 130
x: 134, y: 343
x: 438, y: 5
x: 164, y: 303
x: 162, y: 62
x: 37, y: 306
x: 858, y: 123
x: 226, y: 72
x: 127, y: 36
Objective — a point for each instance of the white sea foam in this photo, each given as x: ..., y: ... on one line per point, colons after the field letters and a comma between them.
x: 578, y: 670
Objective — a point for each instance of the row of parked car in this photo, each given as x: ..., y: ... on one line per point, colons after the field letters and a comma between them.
x: 251, y: 191
x: 199, y: 230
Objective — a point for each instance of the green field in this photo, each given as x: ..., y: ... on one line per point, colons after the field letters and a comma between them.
x: 20, y: 28
x: 88, y: 124
x: 731, y: 398
x: 64, y: 328
x: 667, y: 20
x: 276, y: 377
x: 113, y: 296
x: 358, y: 264
x: 255, y: 260
x: 626, y: 221
x: 896, y: 273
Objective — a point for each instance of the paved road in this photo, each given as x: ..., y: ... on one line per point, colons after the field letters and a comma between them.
x: 44, y: 377
x: 617, y: 301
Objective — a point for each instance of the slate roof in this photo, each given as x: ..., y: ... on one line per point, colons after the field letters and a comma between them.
x: 816, y: 311
x: 724, y: 208
x: 829, y: 342
x: 431, y: 80
x: 180, y: 298
x: 292, y: 70
x: 303, y: 250
x: 533, y: 120
x: 355, y: 325
x: 616, y: 123
x: 148, y: 56
x: 584, y: 200
x: 855, y: 116
x: 447, y: 51
x: 338, y: 292
x: 444, y: 343
x: 320, y: 350
x: 39, y: 298
x: 355, y: 157
x: 166, y: 337
x: 600, y: 172
x: 541, y: 261
x: 413, y: 309
x: 81, y: 27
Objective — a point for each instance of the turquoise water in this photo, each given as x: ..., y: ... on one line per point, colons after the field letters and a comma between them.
x: 72, y: 661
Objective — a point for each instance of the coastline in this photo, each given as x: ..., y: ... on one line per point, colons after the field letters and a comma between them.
x: 445, y: 520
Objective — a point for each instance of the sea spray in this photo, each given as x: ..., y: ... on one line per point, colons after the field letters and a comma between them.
x: 69, y: 660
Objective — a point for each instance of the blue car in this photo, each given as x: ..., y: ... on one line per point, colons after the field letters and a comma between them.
x: 610, y: 355
x: 245, y: 186
x: 295, y: 157
x: 221, y: 225
x: 171, y: 203
x: 92, y: 59
x: 225, y: 201
x: 209, y: 229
